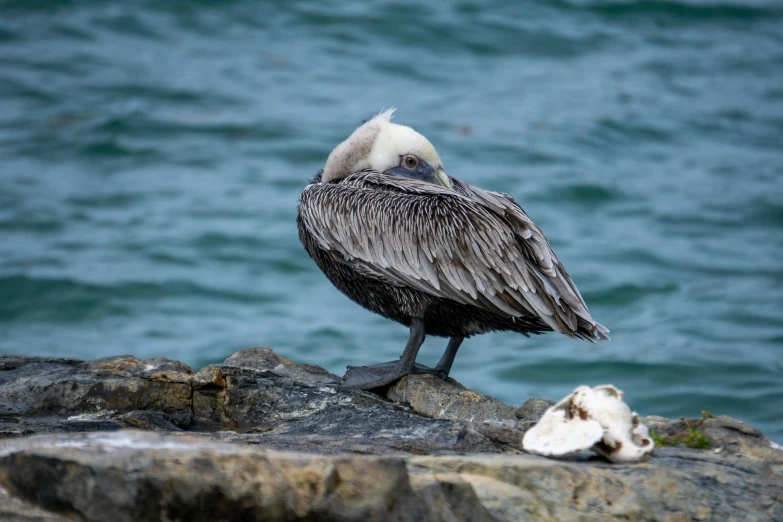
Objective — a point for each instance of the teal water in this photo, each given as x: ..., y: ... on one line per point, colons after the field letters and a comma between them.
x: 152, y: 153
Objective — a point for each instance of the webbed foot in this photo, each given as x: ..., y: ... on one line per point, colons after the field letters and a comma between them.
x: 382, y: 374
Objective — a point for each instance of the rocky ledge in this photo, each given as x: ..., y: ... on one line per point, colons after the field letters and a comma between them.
x: 261, y: 438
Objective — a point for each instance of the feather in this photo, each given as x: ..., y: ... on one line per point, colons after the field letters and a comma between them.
x: 469, y: 245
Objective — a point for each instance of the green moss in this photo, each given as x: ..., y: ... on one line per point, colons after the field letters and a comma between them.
x: 662, y: 440
x: 695, y: 439
x: 690, y: 437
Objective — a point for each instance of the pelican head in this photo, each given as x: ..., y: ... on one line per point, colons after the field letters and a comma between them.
x: 388, y: 148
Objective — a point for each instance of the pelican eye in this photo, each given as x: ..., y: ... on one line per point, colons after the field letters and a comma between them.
x: 410, y: 161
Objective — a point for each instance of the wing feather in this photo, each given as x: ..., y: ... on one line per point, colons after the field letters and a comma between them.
x: 470, y: 245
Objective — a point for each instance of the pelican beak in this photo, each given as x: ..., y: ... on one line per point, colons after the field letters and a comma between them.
x: 443, y: 178
x: 424, y: 172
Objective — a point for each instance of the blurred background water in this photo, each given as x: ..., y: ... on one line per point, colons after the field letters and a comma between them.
x: 152, y: 154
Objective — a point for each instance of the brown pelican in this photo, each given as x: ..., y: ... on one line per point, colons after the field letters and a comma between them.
x: 398, y: 236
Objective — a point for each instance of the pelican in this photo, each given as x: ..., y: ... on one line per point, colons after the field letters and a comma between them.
x: 401, y: 238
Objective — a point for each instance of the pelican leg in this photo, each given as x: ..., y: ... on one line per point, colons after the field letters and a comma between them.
x: 383, y: 374
x: 444, y: 365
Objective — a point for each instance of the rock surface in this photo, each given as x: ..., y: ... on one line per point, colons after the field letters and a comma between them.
x: 261, y: 438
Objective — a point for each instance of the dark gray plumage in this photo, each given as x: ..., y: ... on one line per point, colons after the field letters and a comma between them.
x: 450, y: 261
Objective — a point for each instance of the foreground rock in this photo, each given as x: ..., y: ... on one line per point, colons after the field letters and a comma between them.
x: 261, y: 438
x: 255, y: 396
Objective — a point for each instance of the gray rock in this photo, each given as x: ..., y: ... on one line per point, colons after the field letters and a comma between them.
x: 134, y: 475
x: 533, y: 409
x: 137, y: 476
x: 725, y: 435
x: 255, y: 397
x: 439, y: 399
x: 14, y: 509
x: 676, y: 484
x: 44, y: 385
x: 262, y: 438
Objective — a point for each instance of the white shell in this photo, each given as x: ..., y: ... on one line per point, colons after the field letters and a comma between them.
x: 594, y: 418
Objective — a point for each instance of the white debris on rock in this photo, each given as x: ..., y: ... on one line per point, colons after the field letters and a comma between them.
x: 590, y: 418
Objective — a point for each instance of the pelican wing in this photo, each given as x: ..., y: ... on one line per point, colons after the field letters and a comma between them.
x: 472, y: 246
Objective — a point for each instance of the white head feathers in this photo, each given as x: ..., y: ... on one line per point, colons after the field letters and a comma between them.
x: 378, y: 145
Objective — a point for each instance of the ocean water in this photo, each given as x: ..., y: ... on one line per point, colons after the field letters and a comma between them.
x: 152, y: 154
